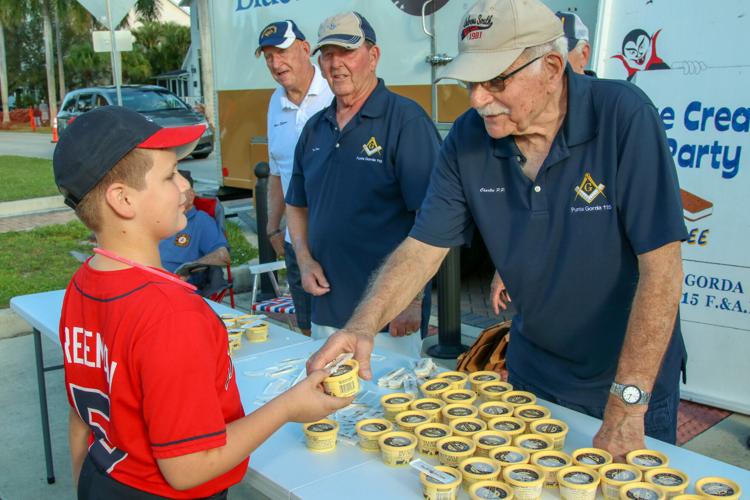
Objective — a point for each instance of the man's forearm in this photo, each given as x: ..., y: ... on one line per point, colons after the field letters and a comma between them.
x: 652, y: 316
x: 395, y: 285
x: 219, y: 257
x: 296, y: 218
x: 276, y: 203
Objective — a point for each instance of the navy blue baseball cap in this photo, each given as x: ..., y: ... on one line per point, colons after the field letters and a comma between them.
x: 281, y: 34
x: 97, y: 140
x: 573, y: 28
x: 348, y: 29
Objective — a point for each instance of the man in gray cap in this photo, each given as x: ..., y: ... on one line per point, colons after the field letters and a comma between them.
x: 572, y: 186
x: 361, y: 169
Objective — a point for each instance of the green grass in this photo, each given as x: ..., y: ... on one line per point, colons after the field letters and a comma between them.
x: 39, y: 260
x: 240, y: 249
x: 26, y: 178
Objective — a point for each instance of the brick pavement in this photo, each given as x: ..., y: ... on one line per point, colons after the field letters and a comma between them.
x: 26, y: 222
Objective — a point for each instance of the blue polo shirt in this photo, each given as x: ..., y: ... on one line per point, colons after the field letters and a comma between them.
x: 567, y: 244
x: 200, y: 237
x: 362, y: 187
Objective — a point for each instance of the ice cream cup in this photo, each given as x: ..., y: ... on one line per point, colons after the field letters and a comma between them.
x: 453, y: 449
x: 578, y: 483
x: 344, y: 382
x: 464, y: 396
x: 512, y: 426
x: 484, y: 490
x: 482, y: 377
x: 467, y: 426
x: 428, y: 435
x: 527, y: 480
x: 409, y: 420
x: 434, y: 490
x: 494, y: 409
x: 519, y: 398
x: 475, y: 469
x: 487, y: 440
x: 510, y: 455
x: 533, y: 442
x: 672, y: 482
x: 397, y: 448
x: 593, y: 458
x: 433, y: 388
x: 395, y: 403
x: 641, y: 491
x: 718, y: 487
x: 647, y: 459
x: 430, y: 406
x: 458, y: 379
x: 458, y: 410
x: 614, y: 476
x: 531, y: 413
x: 689, y: 497
x: 257, y: 333
x: 370, y: 430
x: 494, y: 390
x: 556, y: 429
x: 321, y: 435
x: 550, y: 461
x: 229, y: 320
x: 234, y: 336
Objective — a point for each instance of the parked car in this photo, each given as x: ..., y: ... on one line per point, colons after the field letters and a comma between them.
x: 156, y: 103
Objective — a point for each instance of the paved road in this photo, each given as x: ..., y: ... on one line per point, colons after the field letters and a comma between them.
x: 38, y: 145
x: 26, y: 144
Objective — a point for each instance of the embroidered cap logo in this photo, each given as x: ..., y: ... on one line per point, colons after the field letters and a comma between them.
x: 474, y: 26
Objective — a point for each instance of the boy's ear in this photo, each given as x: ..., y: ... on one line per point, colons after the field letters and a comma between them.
x: 119, y: 201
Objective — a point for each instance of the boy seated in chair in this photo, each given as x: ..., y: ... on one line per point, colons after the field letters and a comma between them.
x: 198, y: 252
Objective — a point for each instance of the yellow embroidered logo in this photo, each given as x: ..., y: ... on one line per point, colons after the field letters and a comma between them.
x: 588, y: 190
x: 269, y: 31
x: 372, y: 147
x: 182, y: 239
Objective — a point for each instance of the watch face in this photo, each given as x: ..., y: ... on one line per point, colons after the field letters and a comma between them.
x: 631, y: 394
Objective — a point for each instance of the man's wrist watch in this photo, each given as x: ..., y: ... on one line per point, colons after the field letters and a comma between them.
x: 630, y: 394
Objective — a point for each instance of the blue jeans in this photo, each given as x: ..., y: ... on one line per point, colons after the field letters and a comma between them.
x: 660, y: 420
x: 302, y: 299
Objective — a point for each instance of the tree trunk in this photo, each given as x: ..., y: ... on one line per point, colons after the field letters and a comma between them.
x: 4, y: 77
x: 58, y: 44
x: 49, y: 60
x: 207, y: 71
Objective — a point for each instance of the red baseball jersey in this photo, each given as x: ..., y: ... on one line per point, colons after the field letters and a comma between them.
x: 147, y: 368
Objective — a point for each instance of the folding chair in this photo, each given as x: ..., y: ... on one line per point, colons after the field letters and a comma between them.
x: 281, y: 304
x: 212, y: 206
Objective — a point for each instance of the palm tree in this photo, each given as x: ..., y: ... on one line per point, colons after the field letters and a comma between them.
x: 11, y: 14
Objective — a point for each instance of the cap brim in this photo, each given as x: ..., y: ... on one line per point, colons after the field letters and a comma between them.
x: 283, y: 45
x: 478, y: 66
x: 182, y: 139
x: 349, y: 42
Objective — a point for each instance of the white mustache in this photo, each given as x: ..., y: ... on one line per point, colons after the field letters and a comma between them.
x: 493, y: 109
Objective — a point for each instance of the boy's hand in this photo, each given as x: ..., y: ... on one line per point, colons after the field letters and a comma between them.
x: 307, y: 402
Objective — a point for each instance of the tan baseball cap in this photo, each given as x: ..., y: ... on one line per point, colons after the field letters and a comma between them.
x: 493, y: 33
x: 347, y: 29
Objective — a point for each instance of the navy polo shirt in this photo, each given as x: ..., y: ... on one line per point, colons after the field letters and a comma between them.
x: 200, y: 237
x: 567, y: 244
x: 362, y: 186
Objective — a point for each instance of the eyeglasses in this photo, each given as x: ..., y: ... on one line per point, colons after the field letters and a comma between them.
x: 497, y: 84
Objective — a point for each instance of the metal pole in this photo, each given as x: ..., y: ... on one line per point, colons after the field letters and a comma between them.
x: 449, y: 308
x: 43, y: 406
x: 265, y: 250
x: 113, y: 55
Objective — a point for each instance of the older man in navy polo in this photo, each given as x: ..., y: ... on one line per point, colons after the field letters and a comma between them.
x: 571, y: 183
x: 361, y: 170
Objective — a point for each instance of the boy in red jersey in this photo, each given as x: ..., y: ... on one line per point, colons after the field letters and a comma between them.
x: 155, y: 410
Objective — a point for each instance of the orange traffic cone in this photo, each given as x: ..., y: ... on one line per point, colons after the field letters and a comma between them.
x: 54, y: 130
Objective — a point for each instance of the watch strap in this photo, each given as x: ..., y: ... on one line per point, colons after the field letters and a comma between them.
x: 618, y: 389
